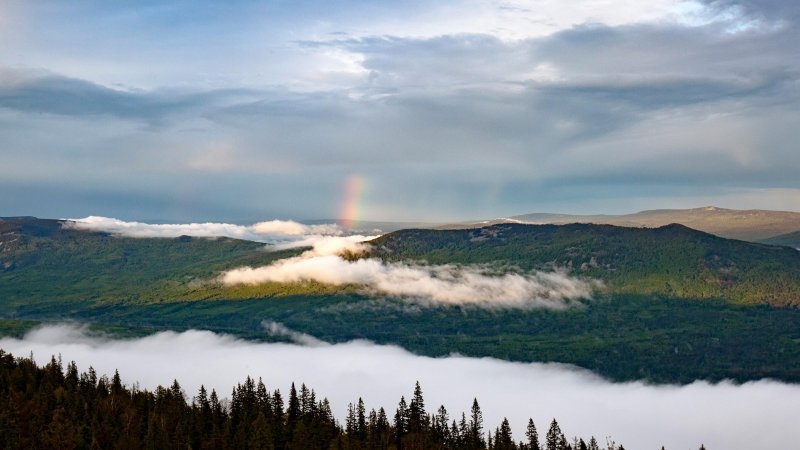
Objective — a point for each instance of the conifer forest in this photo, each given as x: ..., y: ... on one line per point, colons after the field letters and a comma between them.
x: 56, y: 407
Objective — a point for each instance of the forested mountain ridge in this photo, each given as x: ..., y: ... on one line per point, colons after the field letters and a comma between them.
x: 40, y: 258
x: 136, y: 286
x: 672, y: 260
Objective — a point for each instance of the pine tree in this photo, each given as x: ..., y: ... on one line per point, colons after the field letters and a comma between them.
x: 503, y: 439
x: 292, y: 413
x: 383, y: 421
x: 263, y: 400
x: 305, y: 400
x: 440, y: 426
x: 562, y: 443
x: 476, y: 426
x: 350, y: 421
x: 361, y: 420
x: 401, y: 422
x: 533, y: 436
x: 278, y: 420
x: 116, y: 384
x: 416, y: 411
x: 553, y: 435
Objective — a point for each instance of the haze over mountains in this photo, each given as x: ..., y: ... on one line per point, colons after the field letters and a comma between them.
x: 755, y: 225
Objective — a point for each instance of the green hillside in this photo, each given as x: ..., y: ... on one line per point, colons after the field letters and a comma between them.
x: 673, y: 261
x: 40, y: 261
x: 636, y: 328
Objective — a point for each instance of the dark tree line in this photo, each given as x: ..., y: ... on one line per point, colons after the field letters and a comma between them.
x: 53, y: 407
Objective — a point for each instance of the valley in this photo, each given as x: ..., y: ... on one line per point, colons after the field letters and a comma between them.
x: 674, y: 305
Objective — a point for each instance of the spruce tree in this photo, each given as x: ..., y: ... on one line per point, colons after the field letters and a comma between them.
x: 553, y: 435
x: 533, y: 436
x: 441, y: 424
x: 361, y: 420
x: 400, y: 422
x: 416, y: 410
x: 350, y: 421
x: 563, y: 444
x: 503, y: 439
x: 476, y: 426
x: 292, y: 412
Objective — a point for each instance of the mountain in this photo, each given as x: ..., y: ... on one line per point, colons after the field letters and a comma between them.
x: 749, y: 225
x: 678, y: 304
x: 672, y: 260
x: 41, y: 260
x: 788, y: 240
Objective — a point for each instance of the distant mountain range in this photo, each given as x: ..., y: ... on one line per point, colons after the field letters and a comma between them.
x: 755, y: 225
x: 672, y: 260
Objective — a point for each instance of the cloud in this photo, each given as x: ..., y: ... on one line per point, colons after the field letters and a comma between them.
x: 39, y: 91
x: 280, y: 234
x: 276, y: 329
x: 426, y: 284
x: 492, y: 108
x: 639, y: 415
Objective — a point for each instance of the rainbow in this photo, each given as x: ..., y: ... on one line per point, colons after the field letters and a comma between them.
x: 352, y: 191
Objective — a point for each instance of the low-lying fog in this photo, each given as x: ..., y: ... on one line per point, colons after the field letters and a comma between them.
x: 722, y: 416
x: 322, y: 263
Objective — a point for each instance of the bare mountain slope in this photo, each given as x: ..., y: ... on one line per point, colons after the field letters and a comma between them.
x: 749, y: 225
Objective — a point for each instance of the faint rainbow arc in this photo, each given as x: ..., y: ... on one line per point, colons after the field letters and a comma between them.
x: 352, y: 197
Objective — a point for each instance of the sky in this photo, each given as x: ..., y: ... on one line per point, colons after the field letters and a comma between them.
x: 406, y: 110
x: 759, y: 414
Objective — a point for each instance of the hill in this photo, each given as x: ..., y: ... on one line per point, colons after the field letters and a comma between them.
x: 646, y: 324
x: 672, y: 260
x: 749, y: 225
x: 788, y: 240
x: 41, y: 260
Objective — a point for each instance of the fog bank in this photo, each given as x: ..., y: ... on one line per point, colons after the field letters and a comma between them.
x: 722, y: 416
x: 279, y: 234
x: 428, y: 284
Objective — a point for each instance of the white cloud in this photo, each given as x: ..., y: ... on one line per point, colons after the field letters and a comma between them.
x: 280, y: 234
x: 427, y: 284
x: 641, y: 416
x: 522, y: 19
x: 329, y: 245
x: 277, y: 329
